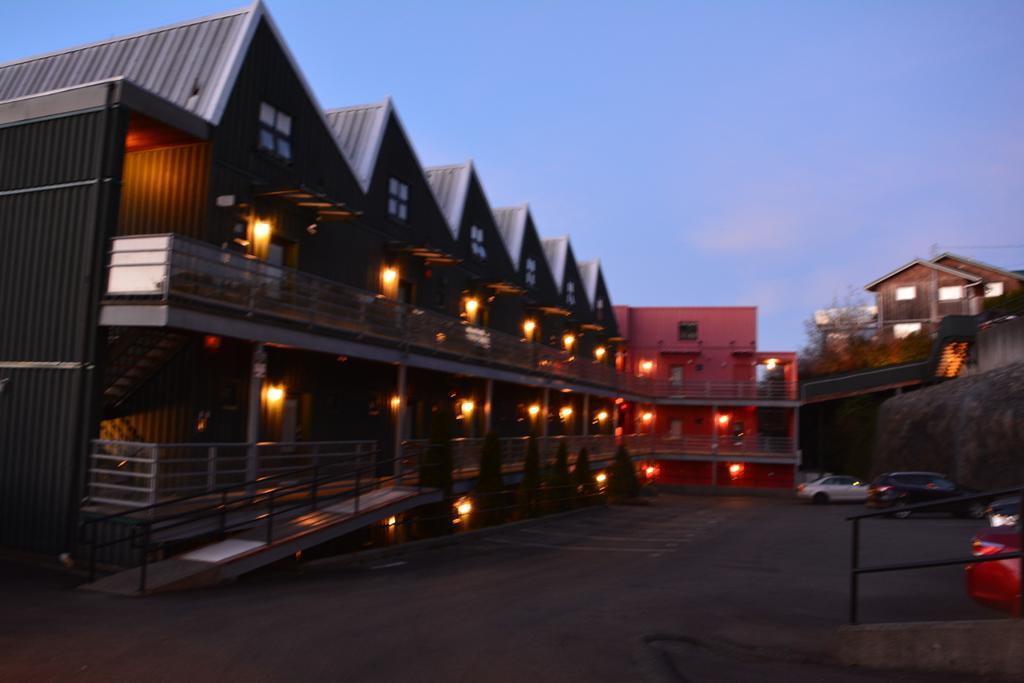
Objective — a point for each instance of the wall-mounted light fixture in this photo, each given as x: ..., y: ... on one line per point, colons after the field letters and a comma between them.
x: 600, y: 352
x: 602, y: 416
x: 646, y: 366
x: 529, y: 328
x: 275, y: 394
x: 534, y: 410
x: 565, y: 413
x: 568, y: 341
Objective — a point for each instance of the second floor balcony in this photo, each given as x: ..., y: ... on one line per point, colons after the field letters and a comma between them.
x: 172, y: 270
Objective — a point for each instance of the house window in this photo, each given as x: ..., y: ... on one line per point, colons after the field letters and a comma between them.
x: 570, y: 293
x: 906, y: 293
x: 687, y: 331
x: 951, y: 293
x: 531, y: 272
x: 275, y: 131
x: 993, y: 289
x: 675, y: 374
x: 476, y: 238
x: 599, y: 309
x: 398, y: 199
x: 902, y: 330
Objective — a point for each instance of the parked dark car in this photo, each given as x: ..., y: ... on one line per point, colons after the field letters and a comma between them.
x: 896, y: 489
x: 1004, y: 512
x: 996, y: 583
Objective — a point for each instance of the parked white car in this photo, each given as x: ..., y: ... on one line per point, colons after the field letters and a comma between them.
x: 833, y: 488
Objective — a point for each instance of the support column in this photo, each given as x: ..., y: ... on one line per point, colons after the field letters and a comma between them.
x: 544, y: 414
x: 399, y: 421
x: 586, y: 415
x: 488, y: 405
x: 714, y: 445
x: 252, y: 428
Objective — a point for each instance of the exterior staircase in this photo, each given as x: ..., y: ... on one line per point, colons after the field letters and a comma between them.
x: 134, y: 355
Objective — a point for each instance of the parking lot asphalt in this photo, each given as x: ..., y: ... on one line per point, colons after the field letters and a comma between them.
x: 688, y: 588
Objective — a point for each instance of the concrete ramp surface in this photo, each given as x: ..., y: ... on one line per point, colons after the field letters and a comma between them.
x: 249, y: 549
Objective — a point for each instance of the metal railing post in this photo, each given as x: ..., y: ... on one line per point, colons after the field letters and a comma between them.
x: 211, y: 468
x: 854, y: 575
x: 355, y: 503
x: 144, y: 565
x: 270, y: 518
x: 154, y: 458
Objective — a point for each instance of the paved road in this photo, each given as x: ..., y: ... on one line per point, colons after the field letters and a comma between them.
x: 716, y: 589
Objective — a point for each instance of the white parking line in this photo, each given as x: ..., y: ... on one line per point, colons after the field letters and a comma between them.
x: 591, y: 548
x: 600, y: 538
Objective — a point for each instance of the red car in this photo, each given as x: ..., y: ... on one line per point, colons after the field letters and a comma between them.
x: 997, y: 583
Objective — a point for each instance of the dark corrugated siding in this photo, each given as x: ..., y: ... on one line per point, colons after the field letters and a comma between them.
x: 44, y: 237
x: 38, y: 467
x: 50, y: 152
x: 50, y: 243
x: 164, y: 190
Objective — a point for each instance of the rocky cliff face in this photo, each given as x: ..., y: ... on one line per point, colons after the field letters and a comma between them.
x: 970, y: 428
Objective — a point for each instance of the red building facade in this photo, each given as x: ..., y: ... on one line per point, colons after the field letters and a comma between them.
x: 727, y: 412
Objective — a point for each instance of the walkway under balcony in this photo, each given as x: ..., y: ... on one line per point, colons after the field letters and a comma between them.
x: 172, y: 281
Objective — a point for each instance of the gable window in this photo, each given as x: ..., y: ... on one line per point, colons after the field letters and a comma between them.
x: 902, y: 330
x: 599, y: 309
x: 476, y: 239
x: 570, y: 293
x: 906, y: 293
x: 398, y: 199
x: 531, y: 272
x: 993, y: 289
x: 687, y: 331
x: 951, y: 293
x: 275, y: 131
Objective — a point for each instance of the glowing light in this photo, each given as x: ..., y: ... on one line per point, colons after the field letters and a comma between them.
x: 396, y: 402
x: 211, y: 342
x: 565, y: 413
x: 599, y: 352
x: 723, y: 420
x: 261, y: 230
x: 528, y: 327
x: 601, y: 478
x: 472, y: 305
x: 602, y: 416
x: 389, y: 276
x: 392, y: 520
x: 568, y: 341
x: 467, y: 407
x: 533, y: 410
x: 275, y: 394
x: 464, y: 507
x: 647, y: 417
x: 647, y: 366
x: 771, y: 363
x: 650, y: 471
x: 735, y: 471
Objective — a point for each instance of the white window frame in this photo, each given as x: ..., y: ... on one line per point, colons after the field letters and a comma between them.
x: 994, y: 289
x: 570, y: 293
x: 398, y: 199
x: 951, y: 293
x: 906, y: 293
x: 275, y: 131
x: 904, y: 330
x: 476, y: 242
x: 531, y: 271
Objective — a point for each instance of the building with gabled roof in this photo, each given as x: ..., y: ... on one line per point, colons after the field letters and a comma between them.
x: 914, y: 298
x: 209, y: 280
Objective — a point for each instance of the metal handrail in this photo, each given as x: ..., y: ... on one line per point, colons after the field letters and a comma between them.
x: 248, y: 499
x: 856, y: 569
x: 184, y: 269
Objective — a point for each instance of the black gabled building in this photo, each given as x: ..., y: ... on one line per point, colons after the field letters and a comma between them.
x: 196, y: 253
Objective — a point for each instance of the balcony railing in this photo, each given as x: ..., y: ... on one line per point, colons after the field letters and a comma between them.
x: 137, y: 474
x: 755, y: 445
x: 175, y: 269
x: 133, y: 474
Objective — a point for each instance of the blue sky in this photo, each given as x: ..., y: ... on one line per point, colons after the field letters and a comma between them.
x: 713, y: 153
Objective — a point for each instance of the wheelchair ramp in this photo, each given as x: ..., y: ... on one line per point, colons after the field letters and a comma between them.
x: 249, y: 550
